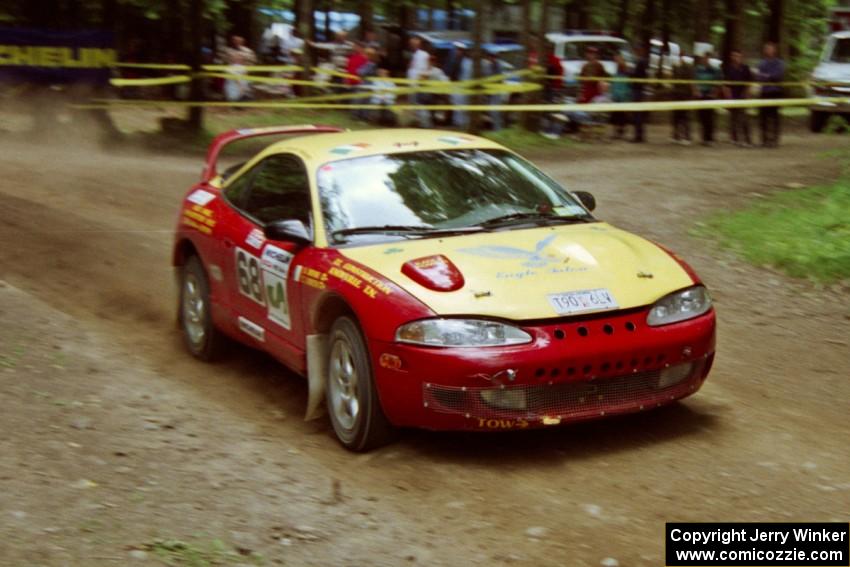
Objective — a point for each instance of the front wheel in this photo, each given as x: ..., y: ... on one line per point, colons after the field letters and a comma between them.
x: 352, y: 399
x: 201, y: 337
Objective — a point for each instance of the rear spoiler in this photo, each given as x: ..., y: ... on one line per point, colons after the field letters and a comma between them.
x: 210, y: 172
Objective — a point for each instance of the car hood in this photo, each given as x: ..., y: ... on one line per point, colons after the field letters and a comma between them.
x: 827, y: 71
x: 511, y: 274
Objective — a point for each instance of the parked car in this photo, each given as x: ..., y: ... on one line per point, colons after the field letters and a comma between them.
x: 571, y: 46
x: 831, y: 79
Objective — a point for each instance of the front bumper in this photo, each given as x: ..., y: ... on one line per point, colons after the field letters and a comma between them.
x: 574, y: 370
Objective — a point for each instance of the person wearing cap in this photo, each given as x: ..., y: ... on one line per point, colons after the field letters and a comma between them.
x: 738, y: 72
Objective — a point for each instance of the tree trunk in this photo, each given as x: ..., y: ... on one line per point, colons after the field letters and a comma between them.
x: 366, y: 16
x: 477, y: 33
x: 429, y: 7
x: 702, y: 23
x: 732, y: 36
x: 647, y: 24
x: 525, y: 40
x: 776, y: 27
x: 450, y: 14
x: 623, y: 17
x: 196, y: 35
x: 304, y: 17
x: 329, y: 6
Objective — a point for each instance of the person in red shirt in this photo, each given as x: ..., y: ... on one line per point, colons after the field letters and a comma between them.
x: 356, y: 60
x: 592, y: 68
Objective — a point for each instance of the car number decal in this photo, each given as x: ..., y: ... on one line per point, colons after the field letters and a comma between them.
x: 276, y: 263
x: 249, y: 276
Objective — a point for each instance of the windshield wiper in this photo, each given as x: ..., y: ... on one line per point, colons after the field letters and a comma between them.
x: 547, y: 217
x: 415, y: 230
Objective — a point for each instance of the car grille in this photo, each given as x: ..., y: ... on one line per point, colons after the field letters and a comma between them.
x: 567, y: 400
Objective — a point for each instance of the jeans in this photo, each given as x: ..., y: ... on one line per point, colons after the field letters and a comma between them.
x: 682, y: 125
x: 770, y: 122
x: 739, y: 125
x: 706, y: 120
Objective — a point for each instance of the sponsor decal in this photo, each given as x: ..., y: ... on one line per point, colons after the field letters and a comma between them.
x: 276, y: 262
x: 255, y: 238
x: 359, y: 278
x: 252, y: 329
x: 502, y: 423
x: 200, y: 197
x: 535, y: 258
x: 393, y: 250
x: 349, y: 148
x: 455, y: 140
x: 200, y: 218
x: 249, y: 276
x: 311, y: 277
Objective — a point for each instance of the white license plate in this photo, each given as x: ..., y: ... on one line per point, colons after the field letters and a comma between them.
x: 583, y: 301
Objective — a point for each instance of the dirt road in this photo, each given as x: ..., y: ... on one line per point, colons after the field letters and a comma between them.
x: 118, y: 448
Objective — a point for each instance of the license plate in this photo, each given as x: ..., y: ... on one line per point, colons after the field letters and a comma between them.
x: 572, y: 302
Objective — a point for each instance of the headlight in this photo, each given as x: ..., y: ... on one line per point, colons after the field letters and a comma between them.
x: 679, y: 306
x: 461, y: 333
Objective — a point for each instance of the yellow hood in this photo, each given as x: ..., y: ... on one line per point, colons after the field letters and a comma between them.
x: 510, y: 274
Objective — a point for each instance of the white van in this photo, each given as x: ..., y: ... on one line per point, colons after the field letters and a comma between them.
x: 570, y: 48
x: 831, y: 79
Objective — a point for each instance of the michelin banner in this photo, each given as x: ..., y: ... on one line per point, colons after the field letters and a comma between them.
x: 56, y: 57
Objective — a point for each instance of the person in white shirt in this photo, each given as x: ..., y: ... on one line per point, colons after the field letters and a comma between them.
x: 238, y: 56
x: 418, y: 60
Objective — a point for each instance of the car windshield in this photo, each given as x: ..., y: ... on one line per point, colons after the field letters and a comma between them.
x: 607, y: 49
x: 840, y: 52
x: 435, y: 192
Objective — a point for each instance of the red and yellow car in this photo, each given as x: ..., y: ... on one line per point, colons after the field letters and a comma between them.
x: 432, y: 279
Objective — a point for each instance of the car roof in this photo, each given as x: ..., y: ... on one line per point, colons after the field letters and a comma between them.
x: 323, y: 148
x: 841, y: 34
x: 557, y: 36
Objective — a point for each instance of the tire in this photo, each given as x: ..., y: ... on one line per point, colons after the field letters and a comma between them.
x: 817, y: 121
x: 200, y: 336
x: 352, y: 398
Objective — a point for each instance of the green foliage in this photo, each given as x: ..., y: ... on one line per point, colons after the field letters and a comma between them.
x: 805, y: 232
x: 215, y: 552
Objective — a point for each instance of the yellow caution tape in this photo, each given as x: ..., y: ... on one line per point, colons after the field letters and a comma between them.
x: 255, y: 68
x: 662, y: 80
x: 566, y: 108
x: 155, y: 66
x: 176, y: 80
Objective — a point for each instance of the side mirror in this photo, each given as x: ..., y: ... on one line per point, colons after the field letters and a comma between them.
x: 291, y: 230
x: 587, y: 199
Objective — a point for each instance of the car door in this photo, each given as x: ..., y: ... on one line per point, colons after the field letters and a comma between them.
x: 261, y: 290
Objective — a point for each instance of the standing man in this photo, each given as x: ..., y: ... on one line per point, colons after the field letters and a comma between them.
x: 592, y: 68
x: 737, y: 71
x: 683, y: 91
x: 708, y: 90
x: 461, y: 70
x: 641, y: 71
x: 621, y: 91
x: 237, y: 57
x: 770, y: 70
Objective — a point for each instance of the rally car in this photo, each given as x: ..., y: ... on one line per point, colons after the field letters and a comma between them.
x: 432, y: 279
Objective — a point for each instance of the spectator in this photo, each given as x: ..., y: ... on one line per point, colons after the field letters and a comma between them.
x: 738, y: 72
x: 490, y: 68
x: 461, y: 71
x: 683, y: 71
x: 770, y: 70
x: 370, y: 39
x: 592, y: 68
x: 621, y: 91
x: 238, y: 56
x: 419, y: 59
x: 640, y: 72
x: 551, y: 126
x: 431, y: 73
x: 293, y: 45
x: 356, y: 60
x: 384, y: 97
x: 707, y: 90
x: 364, y: 72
